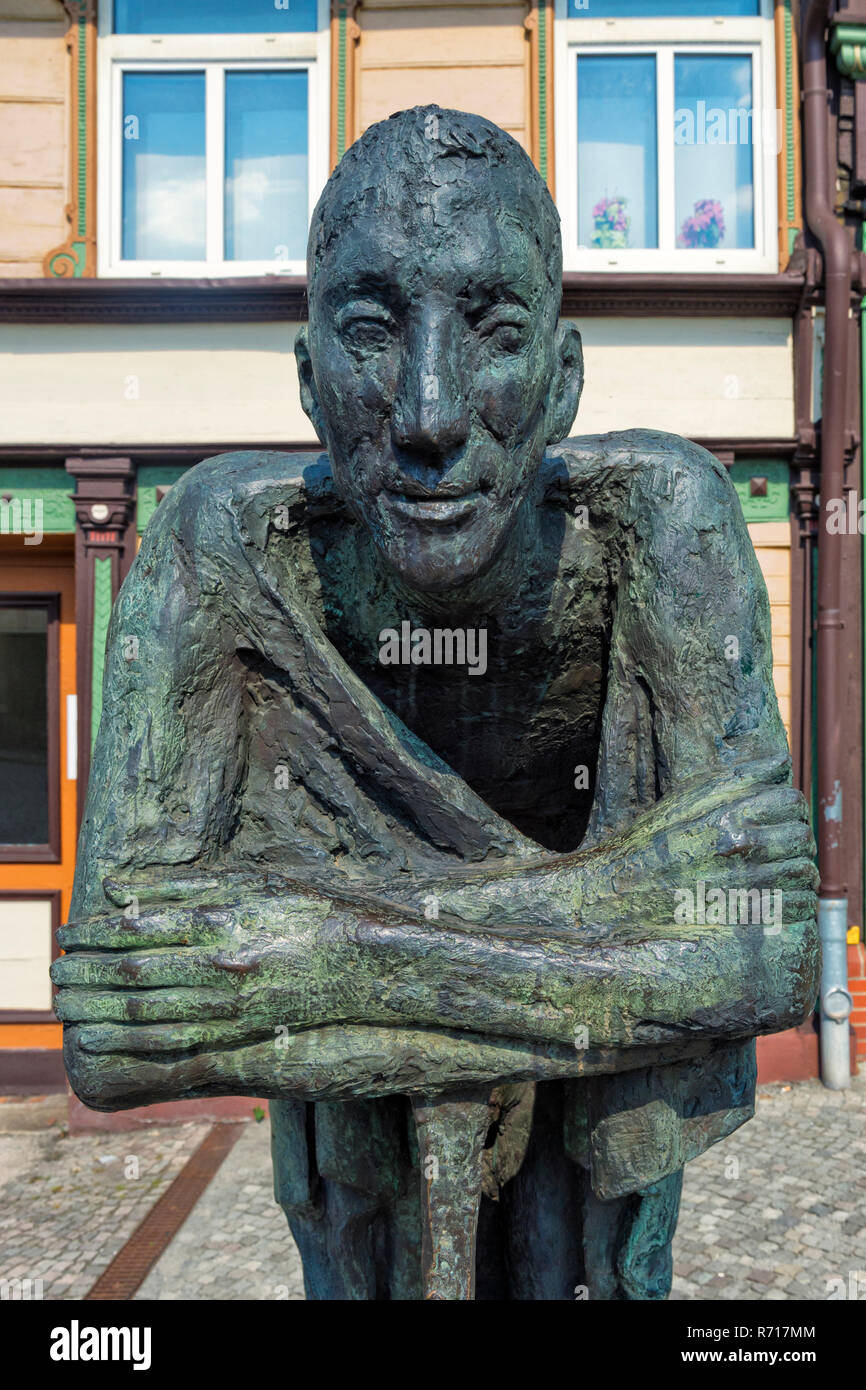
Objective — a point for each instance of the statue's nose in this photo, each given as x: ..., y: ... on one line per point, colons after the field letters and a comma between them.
x: 430, y: 415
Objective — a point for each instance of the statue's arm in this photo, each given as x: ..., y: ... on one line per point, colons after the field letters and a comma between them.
x: 167, y: 762
x: 182, y: 981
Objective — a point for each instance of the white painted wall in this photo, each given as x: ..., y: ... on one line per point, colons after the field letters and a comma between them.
x: 704, y: 378
x: 125, y: 384
x: 25, y: 953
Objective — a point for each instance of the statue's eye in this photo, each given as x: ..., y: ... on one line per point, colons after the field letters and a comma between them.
x: 506, y: 335
x: 367, y: 334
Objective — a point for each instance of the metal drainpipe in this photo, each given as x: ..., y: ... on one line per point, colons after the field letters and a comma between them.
x: 833, y: 239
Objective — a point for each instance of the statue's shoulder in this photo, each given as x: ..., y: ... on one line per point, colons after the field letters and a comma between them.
x: 631, y: 471
x: 244, y: 484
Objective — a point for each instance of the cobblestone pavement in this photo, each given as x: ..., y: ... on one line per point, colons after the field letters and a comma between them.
x: 68, y: 1203
x: 236, y: 1243
x: 777, y: 1211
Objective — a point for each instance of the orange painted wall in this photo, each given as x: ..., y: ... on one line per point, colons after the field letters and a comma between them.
x: 47, y: 568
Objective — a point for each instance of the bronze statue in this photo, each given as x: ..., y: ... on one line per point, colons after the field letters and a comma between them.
x: 443, y: 797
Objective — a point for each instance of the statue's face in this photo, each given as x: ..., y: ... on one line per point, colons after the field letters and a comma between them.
x: 433, y: 353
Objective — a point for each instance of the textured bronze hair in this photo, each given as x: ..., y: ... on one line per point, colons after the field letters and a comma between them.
x: 401, y: 157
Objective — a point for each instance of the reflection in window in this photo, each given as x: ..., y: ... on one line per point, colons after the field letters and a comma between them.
x: 617, y: 152
x: 266, y: 166
x: 164, y: 199
x: 23, y: 726
x: 215, y: 16
x: 713, y: 135
x: 663, y: 9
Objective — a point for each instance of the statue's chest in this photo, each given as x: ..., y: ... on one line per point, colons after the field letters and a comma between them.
x: 519, y: 719
x: 512, y: 701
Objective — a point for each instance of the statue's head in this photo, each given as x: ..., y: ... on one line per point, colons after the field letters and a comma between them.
x: 433, y: 367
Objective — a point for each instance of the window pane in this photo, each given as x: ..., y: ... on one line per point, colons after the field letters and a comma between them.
x: 164, y: 203
x: 662, y: 9
x: 266, y: 166
x: 215, y: 16
x: 616, y: 152
x: 23, y: 726
x: 713, y: 134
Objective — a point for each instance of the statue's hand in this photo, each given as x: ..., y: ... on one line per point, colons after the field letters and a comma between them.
x: 170, y: 979
x: 741, y: 835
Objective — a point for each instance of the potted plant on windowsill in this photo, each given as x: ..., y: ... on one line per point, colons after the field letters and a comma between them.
x: 706, y: 226
x: 612, y: 223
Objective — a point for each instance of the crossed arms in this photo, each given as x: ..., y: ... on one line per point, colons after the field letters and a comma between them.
x: 223, y: 978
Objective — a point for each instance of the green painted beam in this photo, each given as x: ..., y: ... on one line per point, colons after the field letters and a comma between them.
x: 776, y: 506
x: 51, y: 488
x: 848, y: 45
x: 101, y: 615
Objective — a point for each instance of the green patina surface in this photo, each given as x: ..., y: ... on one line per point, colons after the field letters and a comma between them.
x: 149, y: 478
x: 272, y: 808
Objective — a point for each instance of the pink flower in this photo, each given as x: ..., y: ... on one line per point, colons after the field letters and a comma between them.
x: 706, y: 227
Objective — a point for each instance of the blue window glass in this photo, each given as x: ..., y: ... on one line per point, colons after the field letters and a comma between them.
x: 714, y: 135
x: 662, y: 9
x: 617, y: 146
x: 215, y: 16
x: 266, y: 166
x: 164, y: 199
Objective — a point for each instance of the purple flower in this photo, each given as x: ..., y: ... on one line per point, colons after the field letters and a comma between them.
x: 706, y: 226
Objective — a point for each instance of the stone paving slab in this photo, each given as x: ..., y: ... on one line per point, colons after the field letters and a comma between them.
x: 236, y: 1243
x: 69, y: 1203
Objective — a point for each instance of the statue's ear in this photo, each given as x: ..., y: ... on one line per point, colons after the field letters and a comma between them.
x: 309, y: 394
x: 567, y: 384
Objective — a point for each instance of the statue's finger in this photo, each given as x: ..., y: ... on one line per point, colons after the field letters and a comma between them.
x: 174, y: 887
x: 763, y: 806
x: 774, y: 805
x: 767, y: 843
x: 149, y: 1006
x: 149, y: 929
x: 705, y: 790
x: 786, y: 875
x: 168, y: 1037
x: 137, y: 969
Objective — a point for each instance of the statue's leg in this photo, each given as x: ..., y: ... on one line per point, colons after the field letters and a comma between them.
x: 542, y: 1210
x: 627, y: 1242
x: 337, y: 1243
x: 344, y: 1176
x: 644, y: 1259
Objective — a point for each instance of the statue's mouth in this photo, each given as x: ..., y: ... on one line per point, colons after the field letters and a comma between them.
x: 445, y: 509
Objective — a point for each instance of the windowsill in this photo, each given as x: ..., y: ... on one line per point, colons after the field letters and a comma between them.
x: 269, y: 298
x: 667, y: 294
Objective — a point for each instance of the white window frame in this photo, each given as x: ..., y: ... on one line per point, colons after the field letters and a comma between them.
x: 576, y: 36
x: 212, y: 55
